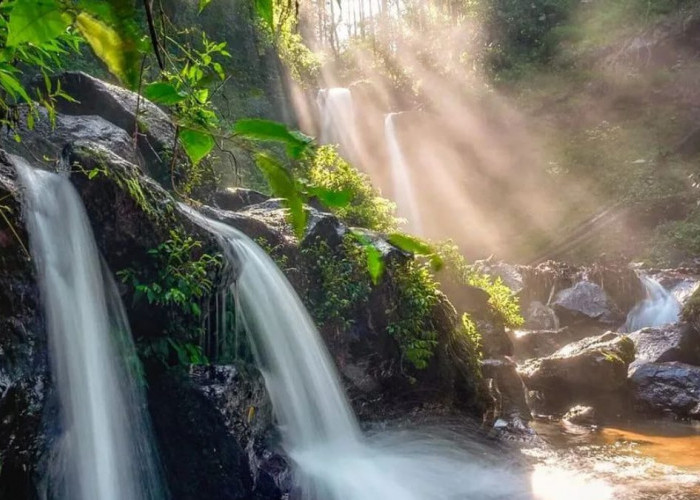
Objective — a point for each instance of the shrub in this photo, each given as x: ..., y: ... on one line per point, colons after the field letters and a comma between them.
x: 366, y: 208
x: 502, y: 299
x: 342, y: 282
x: 411, y: 313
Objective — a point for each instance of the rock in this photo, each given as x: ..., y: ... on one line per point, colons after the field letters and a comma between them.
x: 509, y: 273
x: 509, y: 388
x: 200, y: 456
x: 581, y: 415
x: 238, y: 198
x: 45, y: 140
x: 539, y: 343
x: 583, y: 372
x: 322, y: 226
x: 585, y: 301
x: 673, y: 387
x: 118, y: 106
x: 494, y: 340
x: 239, y: 393
x: 666, y: 343
x: 540, y: 317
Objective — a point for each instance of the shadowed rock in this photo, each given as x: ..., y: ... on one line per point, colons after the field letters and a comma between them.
x: 674, y: 387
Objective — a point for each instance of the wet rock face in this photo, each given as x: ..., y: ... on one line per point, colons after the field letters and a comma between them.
x: 530, y: 344
x: 47, y: 141
x: 581, y: 415
x: 674, y: 387
x: 156, y: 131
x: 200, y: 457
x: 678, y: 342
x: 238, y: 198
x: 588, y: 371
x: 585, y: 301
x: 540, y: 317
x: 24, y: 372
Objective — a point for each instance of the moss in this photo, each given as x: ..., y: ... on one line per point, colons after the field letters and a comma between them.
x: 342, y: 284
x: 691, y: 309
x: 366, y: 208
x: 411, y: 312
x: 502, y: 300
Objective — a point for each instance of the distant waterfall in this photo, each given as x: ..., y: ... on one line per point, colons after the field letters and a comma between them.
x: 337, y: 119
x: 659, y: 308
x: 105, y: 450
x: 403, y: 192
x: 331, y: 457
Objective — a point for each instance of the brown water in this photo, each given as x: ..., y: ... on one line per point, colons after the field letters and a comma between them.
x: 654, y: 460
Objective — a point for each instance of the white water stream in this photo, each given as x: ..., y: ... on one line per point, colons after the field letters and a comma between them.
x: 104, y: 451
x: 659, y: 308
x: 337, y: 117
x: 333, y: 460
x: 404, y: 195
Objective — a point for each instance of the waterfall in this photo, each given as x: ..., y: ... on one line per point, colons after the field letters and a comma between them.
x: 659, y: 308
x: 104, y: 451
x: 337, y: 116
x: 404, y: 195
x: 332, y: 459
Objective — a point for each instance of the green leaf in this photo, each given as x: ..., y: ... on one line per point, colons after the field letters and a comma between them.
x: 119, y: 54
x: 282, y: 185
x: 163, y: 93
x: 264, y: 10
x: 197, y: 144
x: 35, y: 21
x: 375, y: 263
x: 203, y: 5
x: 330, y: 197
x: 411, y: 244
x: 267, y: 130
x: 13, y: 86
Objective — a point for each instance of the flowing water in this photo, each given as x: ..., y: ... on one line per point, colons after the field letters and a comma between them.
x: 404, y: 195
x: 659, y: 308
x: 104, y: 451
x: 333, y: 459
x: 337, y: 116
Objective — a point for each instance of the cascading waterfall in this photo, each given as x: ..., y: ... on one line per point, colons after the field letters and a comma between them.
x: 659, y: 308
x: 332, y: 458
x: 105, y: 448
x: 337, y: 114
x: 404, y: 195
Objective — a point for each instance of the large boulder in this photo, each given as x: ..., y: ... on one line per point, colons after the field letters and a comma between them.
x: 46, y: 140
x: 509, y: 391
x: 237, y: 198
x: 530, y: 344
x: 678, y: 342
x: 540, y: 317
x: 667, y: 387
x: 585, y: 301
x: 584, y: 372
x: 153, y: 127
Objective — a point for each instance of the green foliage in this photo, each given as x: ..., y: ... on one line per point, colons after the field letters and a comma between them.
x: 183, y: 278
x: 366, y: 208
x: 35, y: 21
x: 172, y: 352
x: 411, y: 314
x: 253, y: 129
x: 691, y: 310
x: 459, y: 272
x: 341, y: 284
x: 676, y: 241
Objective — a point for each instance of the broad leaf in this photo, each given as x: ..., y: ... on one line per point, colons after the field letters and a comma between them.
x: 197, y: 144
x: 375, y: 263
x: 163, y: 93
x: 329, y: 197
x: 267, y: 130
x: 203, y: 5
x: 116, y: 52
x: 411, y: 244
x: 13, y: 87
x: 264, y: 10
x: 36, y: 22
x: 282, y: 185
